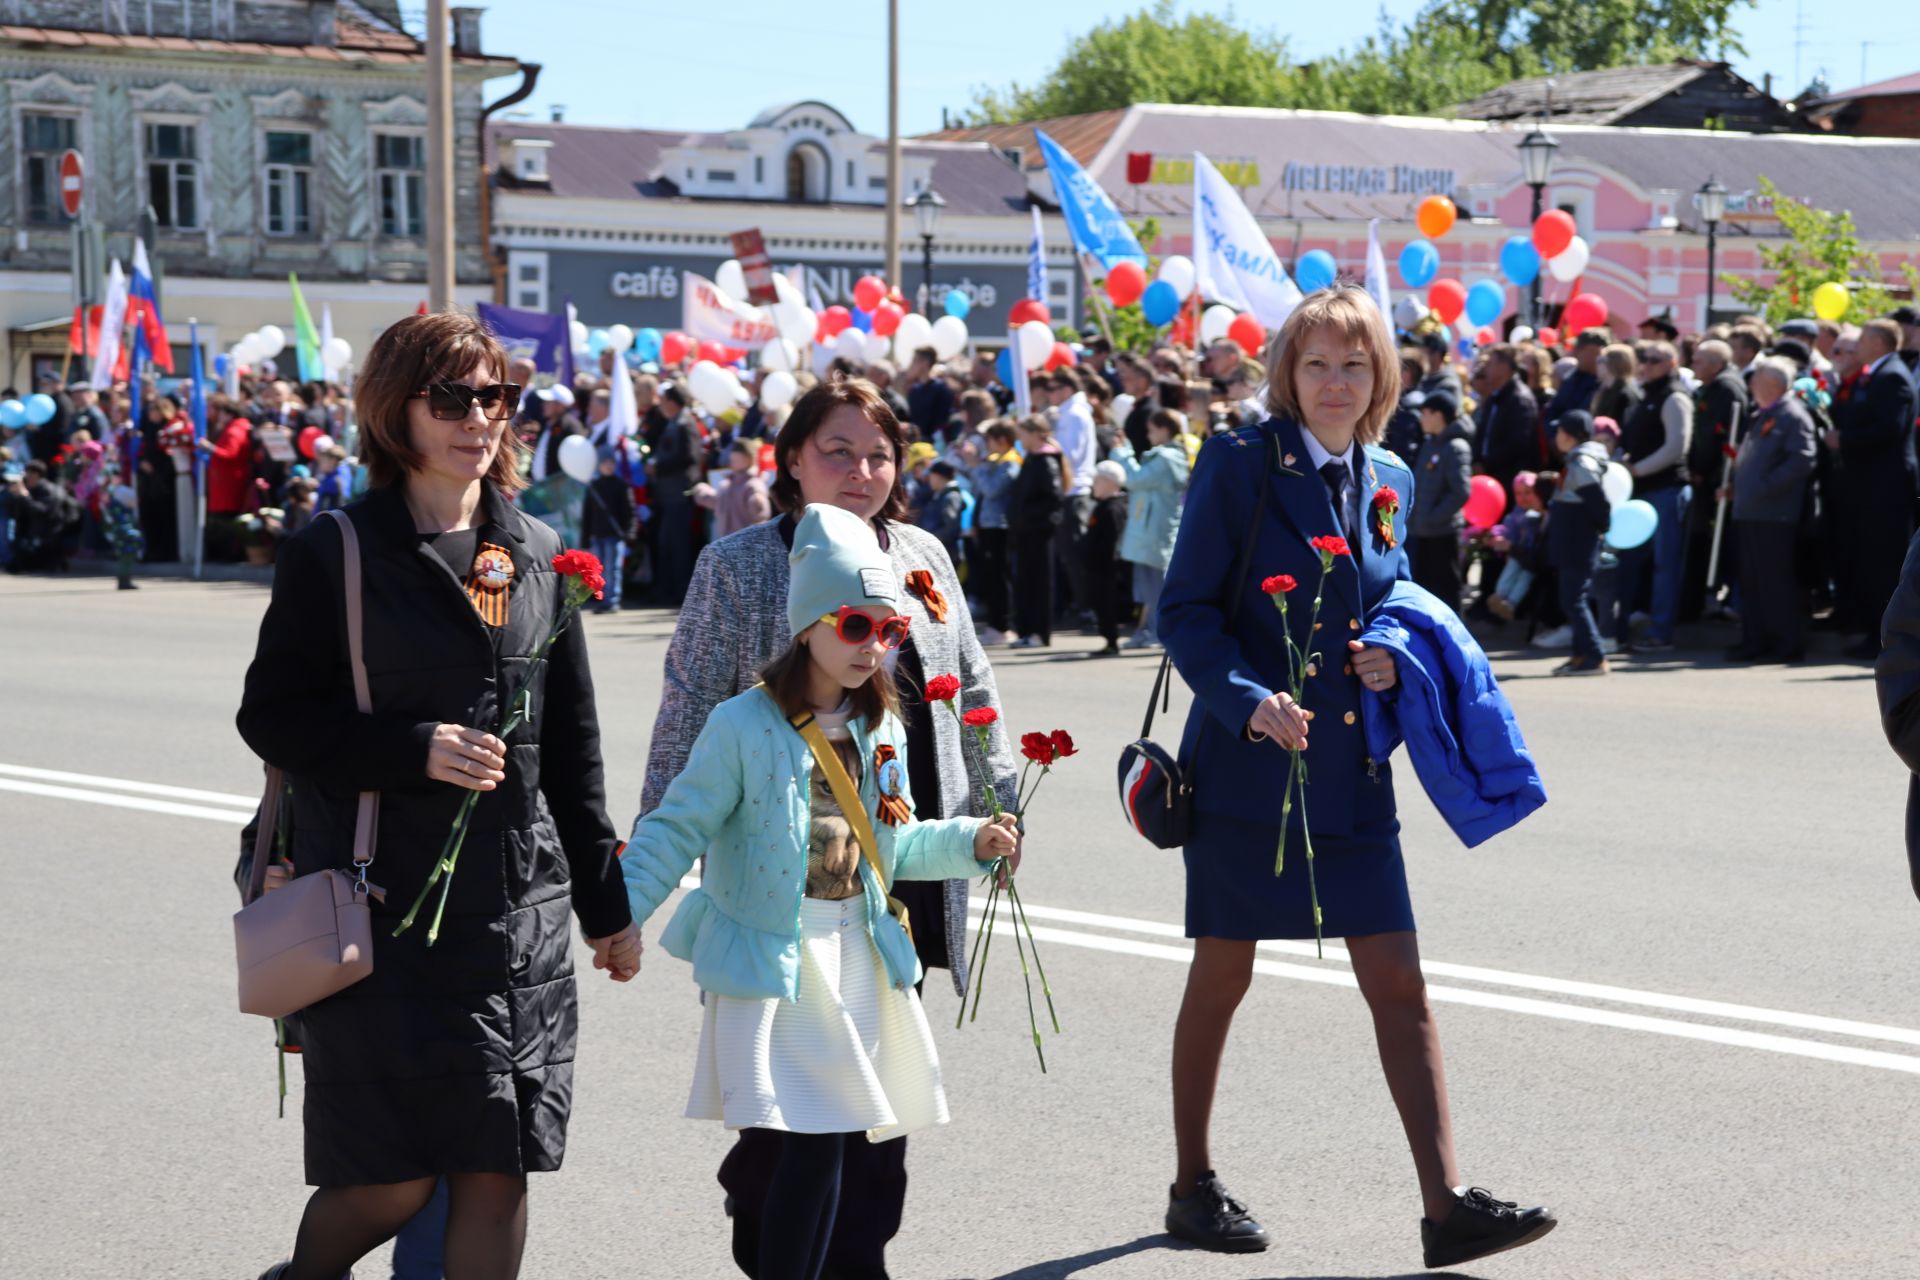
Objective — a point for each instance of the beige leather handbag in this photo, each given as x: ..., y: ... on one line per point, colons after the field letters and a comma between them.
x: 314, y: 936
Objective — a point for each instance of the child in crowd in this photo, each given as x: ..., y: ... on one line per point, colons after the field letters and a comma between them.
x: 946, y: 505
x: 333, y: 487
x: 1100, y: 551
x: 796, y: 793
x: 991, y: 573
x: 1518, y: 539
x: 1442, y: 482
x: 1034, y: 513
x: 743, y: 499
x: 1156, y: 486
x: 297, y: 508
x: 920, y: 456
x: 1578, y: 516
x: 607, y: 522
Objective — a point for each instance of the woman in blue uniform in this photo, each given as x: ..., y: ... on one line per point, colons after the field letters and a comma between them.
x: 1331, y: 389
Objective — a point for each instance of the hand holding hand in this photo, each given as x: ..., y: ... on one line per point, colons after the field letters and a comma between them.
x: 279, y: 876
x: 1374, y: 666
x: 619, y: 954
x: 1283, y: 720
x: 997, y: 838
x: 470, y: 758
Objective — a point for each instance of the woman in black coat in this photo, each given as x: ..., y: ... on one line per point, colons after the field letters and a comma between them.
x: 453, y: 1060
x: 1034, y: 509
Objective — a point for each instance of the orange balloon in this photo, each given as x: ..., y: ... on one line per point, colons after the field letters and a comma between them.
x: 1435, y: 216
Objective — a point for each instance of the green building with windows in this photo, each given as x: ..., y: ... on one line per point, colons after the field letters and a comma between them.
x: 243, y: 140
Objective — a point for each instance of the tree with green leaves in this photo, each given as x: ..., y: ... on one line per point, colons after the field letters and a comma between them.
x: 1820, y: 246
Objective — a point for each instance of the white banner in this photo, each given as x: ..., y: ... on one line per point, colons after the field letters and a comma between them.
x: 113, y: 319
x: 1377, y: 273
x: 708, y: 314
x: 1233, y: 261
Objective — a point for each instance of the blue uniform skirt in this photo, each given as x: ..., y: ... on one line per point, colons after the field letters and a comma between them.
x: 1233, y: 893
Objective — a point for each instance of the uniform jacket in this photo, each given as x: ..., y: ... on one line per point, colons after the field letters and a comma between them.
x: 1156, y: 486
x: 735, y: 622
x: 1232, y: 669
x: 483, y: 1022
x: 743, y: 801
x: 1775, y: 464
x: 1458, y: 727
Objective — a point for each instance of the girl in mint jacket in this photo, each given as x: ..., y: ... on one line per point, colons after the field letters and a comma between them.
x: 1156, y: 488
x: 812, y: 1028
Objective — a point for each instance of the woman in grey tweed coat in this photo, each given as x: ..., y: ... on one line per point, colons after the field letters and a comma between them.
x: 842, y: 446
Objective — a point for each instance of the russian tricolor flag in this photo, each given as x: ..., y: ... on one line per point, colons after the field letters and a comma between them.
x: 143, y: 310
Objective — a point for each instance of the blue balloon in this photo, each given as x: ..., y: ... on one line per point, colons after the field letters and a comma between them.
x: 1419, y: 264
x: 1160, y: 303
x: 863, y: 320
x: 646, y: 345
x: 1520, y: 261
x: 957, y: 304
x: 40, y: 409
x: 1315, y: 270
x: 1633, y: 523
x: 597, y: 342
x: 1003, y: 365
x: 1465, y: 348
x: 13, y: 414
x: 1485, y: 301
x: 222, y: 364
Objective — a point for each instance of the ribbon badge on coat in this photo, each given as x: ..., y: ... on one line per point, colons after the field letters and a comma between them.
x: 891, y: 776
x: 487, y: 584
x: 920, y: 583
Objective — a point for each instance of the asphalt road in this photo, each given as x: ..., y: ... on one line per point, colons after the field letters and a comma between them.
x: 1678, y: 1004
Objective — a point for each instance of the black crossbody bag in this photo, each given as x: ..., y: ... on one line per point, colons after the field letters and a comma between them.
x: 1155, y: 797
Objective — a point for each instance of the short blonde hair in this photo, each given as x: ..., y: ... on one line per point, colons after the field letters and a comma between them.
x: 1349, y: 311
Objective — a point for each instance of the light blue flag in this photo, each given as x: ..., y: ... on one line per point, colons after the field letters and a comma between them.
x: 1037, y: 261
x: 1096, y: 226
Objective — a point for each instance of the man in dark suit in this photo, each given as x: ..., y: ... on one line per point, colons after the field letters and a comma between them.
x: 1508, y: 438
x: 1896, y: 678
x: 1908, y: 318
x: 1878, y: 473
x: 1719, y: 411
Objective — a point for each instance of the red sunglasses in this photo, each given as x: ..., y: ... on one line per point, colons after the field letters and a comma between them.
x: 857, y: 626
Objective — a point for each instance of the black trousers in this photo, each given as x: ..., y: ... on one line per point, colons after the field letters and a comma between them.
x: 1436, y: 566
x: 992, y: 577
x: 1773, y: 618
x: 1879, y: 511
x: 1067, y: 536
x: 1033, y: 584
x: 1105, y: 596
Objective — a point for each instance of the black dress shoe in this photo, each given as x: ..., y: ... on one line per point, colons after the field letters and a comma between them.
x: 1214, y: 1220
x: 1479, y: 1225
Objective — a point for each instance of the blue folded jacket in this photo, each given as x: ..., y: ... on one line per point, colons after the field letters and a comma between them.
x: 1459, y: 728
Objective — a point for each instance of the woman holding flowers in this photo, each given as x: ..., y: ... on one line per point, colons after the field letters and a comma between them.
x: 454, y: 1059
x: 841, y: 446
x: 1291, y: 840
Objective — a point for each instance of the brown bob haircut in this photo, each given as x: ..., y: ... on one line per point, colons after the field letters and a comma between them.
x: 1351, y: 314
x: 411, y: 355
x: 788, y: 679
x: 810, y: 412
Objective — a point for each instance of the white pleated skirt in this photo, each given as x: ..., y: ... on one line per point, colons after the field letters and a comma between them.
x: 851, y: 1055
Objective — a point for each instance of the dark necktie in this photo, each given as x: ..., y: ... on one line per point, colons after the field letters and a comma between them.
x: 1336, y: 475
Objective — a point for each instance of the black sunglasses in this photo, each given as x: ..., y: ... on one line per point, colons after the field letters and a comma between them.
x: 452, y: 401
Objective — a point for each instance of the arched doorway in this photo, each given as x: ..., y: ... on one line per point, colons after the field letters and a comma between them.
x: 807, y: 172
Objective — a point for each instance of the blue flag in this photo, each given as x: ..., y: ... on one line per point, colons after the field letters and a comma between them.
x: 197, y: 384
x: 536, y: 335
x: 135, y: 363
x: 1096, y: 226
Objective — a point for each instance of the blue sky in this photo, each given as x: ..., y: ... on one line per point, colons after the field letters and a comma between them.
x: 713, y: 66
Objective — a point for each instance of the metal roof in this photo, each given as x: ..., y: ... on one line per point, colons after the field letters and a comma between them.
x: 1584, y: 97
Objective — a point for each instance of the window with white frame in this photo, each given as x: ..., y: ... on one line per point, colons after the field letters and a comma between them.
x: 527, y: 277
x: 288, y: 177
x: 401, y: 160
x: 43, y: 136
x: 172, y: 152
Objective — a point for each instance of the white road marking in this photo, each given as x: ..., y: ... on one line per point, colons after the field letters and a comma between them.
x: 174, y: 808
x: 125, y: 784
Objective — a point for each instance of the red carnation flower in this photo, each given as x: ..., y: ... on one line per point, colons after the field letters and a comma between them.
x: 585, y: 566
x: 1063, y: 744
x: 1279, y: 584
x: 943, y: 688
x: 1037, y: 747
x: 981, y: 717
x: 1331, y: 546
x: 1385, y: 497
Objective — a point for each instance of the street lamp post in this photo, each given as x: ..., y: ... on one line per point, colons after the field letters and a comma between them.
x: 1713, y: 207
x: 1536, y: 166
x: 926, y: 216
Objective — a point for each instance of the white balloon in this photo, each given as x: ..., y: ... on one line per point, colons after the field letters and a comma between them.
x: 711, y: 385
x: 1408, y: 312
x: 247, y: 350
x: 1521, y: 333
x: 336, y: 354
x: 915, y: 332
x: 1215, y: 321
x: 1036, y: 343
x: 786, y: 291
x: 619, y: 337
x: 877, y: 347
x: 1178, y: 272
x: 578, y: 458
x: 578, y: 331
x: 777, y: 390
x: 852, y: 344
x: 273, y: 340
x: 732, y: 280
x: 794, y: 320
x: 779, y: 354
x: 738, y: 388
x: 1617, y: 484
x: 1572, y: 260
x: 949, y: 336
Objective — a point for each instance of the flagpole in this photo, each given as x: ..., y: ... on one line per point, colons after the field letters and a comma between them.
x: 1093, y: 301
